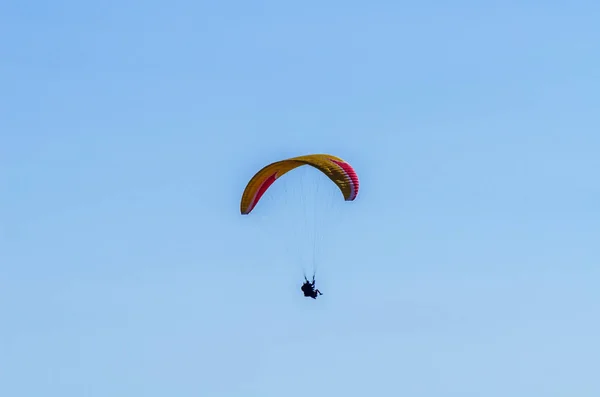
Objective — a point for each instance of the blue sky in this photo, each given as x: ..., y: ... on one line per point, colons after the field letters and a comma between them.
x: 467, y: 266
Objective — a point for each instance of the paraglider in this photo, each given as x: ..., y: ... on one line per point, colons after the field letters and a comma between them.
x: 337, y: 170
x: 309, y: 290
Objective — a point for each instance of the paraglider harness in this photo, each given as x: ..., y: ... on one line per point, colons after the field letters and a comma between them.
x: 309, y: 288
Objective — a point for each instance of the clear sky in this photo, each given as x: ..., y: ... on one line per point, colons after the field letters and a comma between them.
x: 467, y: 266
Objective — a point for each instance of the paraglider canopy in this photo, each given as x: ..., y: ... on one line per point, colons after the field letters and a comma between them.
x: 336, y: 169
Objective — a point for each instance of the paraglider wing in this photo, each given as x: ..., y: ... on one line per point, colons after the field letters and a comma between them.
x: 336, y: 169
